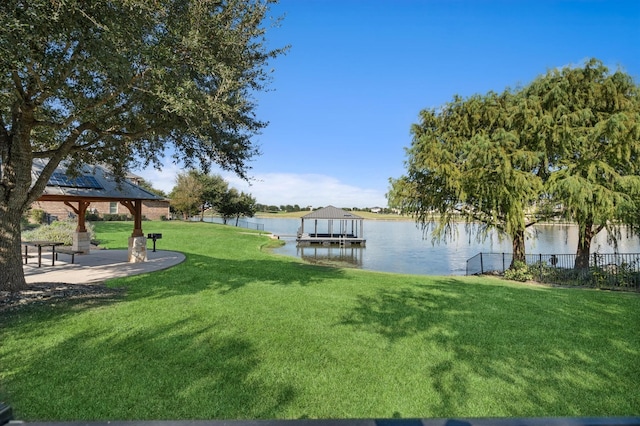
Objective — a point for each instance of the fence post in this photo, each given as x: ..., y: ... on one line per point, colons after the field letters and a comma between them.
x: 540, y: 268
x: 481, y: 264
x: 504, y: 268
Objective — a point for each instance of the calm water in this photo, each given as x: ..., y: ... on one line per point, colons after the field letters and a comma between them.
x: 399, y: 246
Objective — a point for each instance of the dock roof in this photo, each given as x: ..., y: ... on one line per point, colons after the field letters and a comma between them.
x: 331, y: 212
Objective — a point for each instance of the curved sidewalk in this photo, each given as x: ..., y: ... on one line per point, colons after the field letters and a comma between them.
x: 98, y: 266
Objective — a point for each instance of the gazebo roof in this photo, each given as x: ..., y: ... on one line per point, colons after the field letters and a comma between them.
x: 331, y: 212
x: 94, y: 183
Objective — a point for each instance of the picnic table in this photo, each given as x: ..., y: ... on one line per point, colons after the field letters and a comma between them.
x: 39, y: 245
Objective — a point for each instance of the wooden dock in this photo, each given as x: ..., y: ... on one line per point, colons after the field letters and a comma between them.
x: 330, y: 240
x: 336, y: 228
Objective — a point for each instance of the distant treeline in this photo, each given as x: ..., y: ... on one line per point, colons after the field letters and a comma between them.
x: 296, y: 208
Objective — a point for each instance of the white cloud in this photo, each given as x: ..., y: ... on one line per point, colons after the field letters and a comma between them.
x: 283, y: 188
x: 307, y: 189
x: 164, y: 180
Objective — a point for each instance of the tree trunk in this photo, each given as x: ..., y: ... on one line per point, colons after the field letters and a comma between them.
x: 585, y: 235
x: 518, y: 248
x: 11, y: 272
x: 15, y: 183
x: 18, y: 190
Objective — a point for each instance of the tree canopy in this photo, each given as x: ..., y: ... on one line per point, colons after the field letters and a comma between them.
x: 236, y: 204
x: 566, y: 145
x: 586, y: 120
x: 121, y: 82
x: 195, y: 192
x: 467, y: 161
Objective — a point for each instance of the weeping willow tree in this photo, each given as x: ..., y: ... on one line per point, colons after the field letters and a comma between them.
x: 568, y: 144
x: 467, y: 161
x: 586, y: 120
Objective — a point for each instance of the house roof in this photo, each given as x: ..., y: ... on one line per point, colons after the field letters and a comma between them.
x: 94, y: 183
x: 331, y: 212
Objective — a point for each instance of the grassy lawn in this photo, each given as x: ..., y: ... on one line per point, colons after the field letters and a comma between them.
x: 237, y: 332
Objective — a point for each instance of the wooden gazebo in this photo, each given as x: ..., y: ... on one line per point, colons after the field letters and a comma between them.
x: 96, y: 183
x: 331, y: 226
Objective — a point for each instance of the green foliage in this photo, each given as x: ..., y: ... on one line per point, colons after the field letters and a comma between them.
x: 186, y: 196
x: 116, y: 217
x: 621, y: 277
x: 92, y: 217
x: 519, y: 271
x: 565, y: 145
x: 467, y: 161
x: 137, y: 72
x: 236, y: 204
x: 37, y: 216
x: 586, y: 121
x: 149, y: 187
x: 60, y: 231
x: 196, y: 192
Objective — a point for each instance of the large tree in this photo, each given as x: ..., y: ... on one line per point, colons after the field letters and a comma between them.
x: 118, y: 82
x: 586, y: 120
x: 236, y: 204
x: 186, y: 195
x: 466, y: 161
x: 213, y: 189
x: 566, y: 144
x: 196, y: 191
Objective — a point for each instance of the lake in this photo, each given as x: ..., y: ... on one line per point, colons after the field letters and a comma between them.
x: 400, y: 246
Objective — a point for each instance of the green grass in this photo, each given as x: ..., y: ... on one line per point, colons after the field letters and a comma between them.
x: 237, y: 332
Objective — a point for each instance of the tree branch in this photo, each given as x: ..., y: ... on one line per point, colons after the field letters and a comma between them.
x: 55, y: 158
x: 18, y: 83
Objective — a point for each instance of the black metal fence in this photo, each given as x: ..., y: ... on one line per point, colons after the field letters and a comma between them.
x: 232, y: 222
x: 248, y: 225
x: 606, y: 270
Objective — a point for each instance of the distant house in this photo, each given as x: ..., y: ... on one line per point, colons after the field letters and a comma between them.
x: 376, y: 210
x: 97, y: 183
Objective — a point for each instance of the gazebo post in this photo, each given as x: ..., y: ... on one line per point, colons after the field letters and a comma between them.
x: 137, y: 241
x: 81, y: 238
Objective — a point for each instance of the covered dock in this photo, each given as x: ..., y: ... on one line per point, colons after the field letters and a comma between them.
x: 331, y: 226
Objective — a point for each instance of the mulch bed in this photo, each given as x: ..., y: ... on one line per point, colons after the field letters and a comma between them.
x: 51, y: 293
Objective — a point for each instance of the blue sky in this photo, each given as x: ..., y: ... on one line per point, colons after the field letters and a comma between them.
x: 343, y: 99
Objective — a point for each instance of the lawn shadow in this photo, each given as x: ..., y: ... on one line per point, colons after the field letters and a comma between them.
x: 58, y: 307
x: 168, y: 371
x: 559, y: 366
x: 198, y: 273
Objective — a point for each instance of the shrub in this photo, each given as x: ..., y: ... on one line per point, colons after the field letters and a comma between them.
x: 116, y: 217
x: 92, y: 217
x: 518, y: 272
x: 37, y: 216
x: 61, y: 231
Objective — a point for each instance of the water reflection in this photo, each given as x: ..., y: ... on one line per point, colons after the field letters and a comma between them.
x: 335, y: 256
